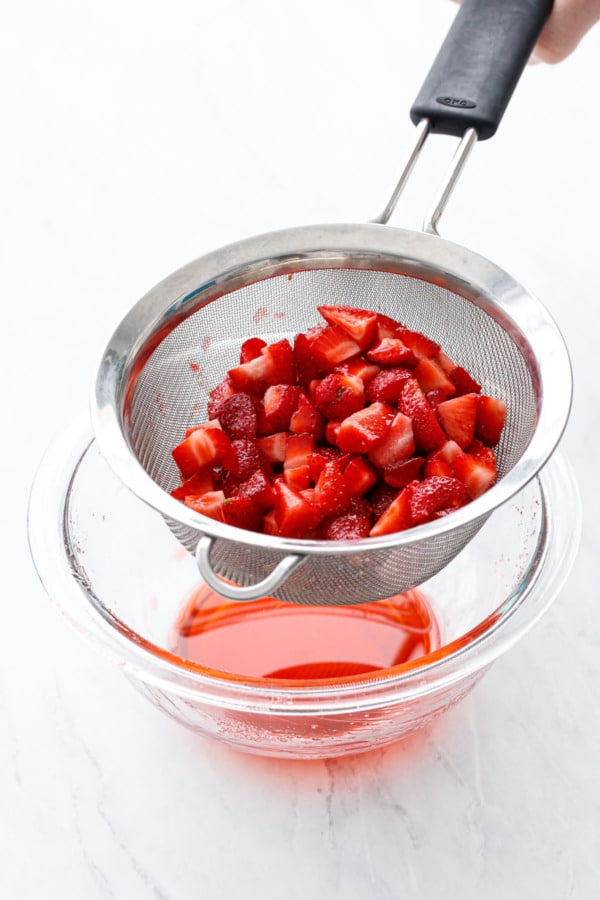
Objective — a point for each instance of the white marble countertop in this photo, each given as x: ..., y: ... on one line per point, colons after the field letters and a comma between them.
x: 138, y: 136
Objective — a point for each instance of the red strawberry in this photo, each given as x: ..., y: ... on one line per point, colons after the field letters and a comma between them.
x: 434, y: 398
x: 434, y: 494
x: 306, y: 417
x: 387, y: 385
x: 422, y: 346
x: 359, y: 476
x: 399, y: 474
x: 237, y: 416
x: 331, y: 432
x: 476, y: 474
x: 463, y: 382
x: 398, y: 444
x: 242, y: 512
x: 258, y: 488
x: 280, y: 402
x: 243, y: 459
x: 293, y: 514
x: 386, y: 326
x: 380, y: 498
x: 363, y: 430
x: 482, y: 452
x: 338, y: 396
x: 426, y: 428
x: 320, y: 457
x: 457, y: 417
x: 437, y: 467
x: 251, y: 349
x: 447, y: 452
x: 359, y: 324
x: 273, y: 446
x: 397, y: 516
x: 218, y: 394
x: 360, y: 367
x: 391, y: 352
x: 296, y: 466
x: 332, y: 492
x: 275, y: 365
x: 204, y: 446
x: 195, y: 486
x: 209, y: 504
x: 491, y: 415
x: 431, y: 377
x: 349, y: 526
x: 320, y: 349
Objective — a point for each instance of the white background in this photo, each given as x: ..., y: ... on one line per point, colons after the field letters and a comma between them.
x: 135, y: 137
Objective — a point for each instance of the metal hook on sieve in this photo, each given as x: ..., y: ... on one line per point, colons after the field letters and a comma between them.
x: 457, y: 164
x: 262, y: 588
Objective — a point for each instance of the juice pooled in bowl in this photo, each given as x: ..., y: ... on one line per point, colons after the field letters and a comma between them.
x: 271, y: 639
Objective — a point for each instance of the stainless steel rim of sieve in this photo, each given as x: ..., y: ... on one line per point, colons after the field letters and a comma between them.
x: 179, y: 340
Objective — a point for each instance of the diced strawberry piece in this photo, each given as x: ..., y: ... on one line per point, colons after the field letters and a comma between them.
x: 263, y: 426
x: 399, y: 474
x: 426, y: 428
x: 298, y: 477
x: 251, y: 349
x: 204, y: 446
x: 445, y: 362
x: 359, y: 476
x: 319, y: 458
x: 280, y: 402
x: 338, y: 396
x: 294, y: 515
x: 457, y: 417
x: 437, y: 467
x: 482, y: 452
x: 447, y: 452
x: 242, y: 512
x: 391, y: 351
x: 380, y: 498
x: 320, y: 349
x: 434, y: 494
x: 332, y: 493
x: 209, y: 504
x: 397, y: 516
x: 351, y: 525
x: 397, y: 445
x: 476, y: 474
x: 359, y: 324
x: 218, y: 394
x: 422, y: 346
x: 332, y: 430
x: 213, y: 423
x: 258, y: 488
x: 306, y: 417
x: 244, y: 458
x: 386, y: 326
x: 275, y: 365
x: 491, y: 415
x: 463, y: 382
x: 273, y: 446
x: 434, y: 398
x: 365, y: 429
x: 296, y: 466
x: 431, y: 377
x: 192, y: 487
x: 237, y: 416
x: 270, y: 525
x: 360, y: 367
x: 387, y: 385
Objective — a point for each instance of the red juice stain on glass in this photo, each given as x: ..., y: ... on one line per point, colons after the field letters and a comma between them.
x: 268, y: 638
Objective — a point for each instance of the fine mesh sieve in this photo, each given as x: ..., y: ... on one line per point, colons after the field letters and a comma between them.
x: 177, y: 343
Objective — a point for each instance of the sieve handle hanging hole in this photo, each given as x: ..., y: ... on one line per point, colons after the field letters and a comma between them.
x: 479, y: 64
x: 238, y: 592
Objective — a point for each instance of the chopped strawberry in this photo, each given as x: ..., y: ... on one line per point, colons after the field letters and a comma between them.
x: 401, y: 473
x: 332, y: 492
x: 331, y: 432
x: 296, y: 466
x: 482, y: 452
x: 463, y: 382
x: 258, y: 488
x: 360, y: 367
x: 244, y: 458
x: 319, y: 458
x: 209, y: 504
x: 447, y: 452
x: 280, y: 402
x: 338, y: 396
x: 359, y: 476
x: 348, y: 526
x: 397, y: 516
x: 242, y: 512
x: 275, y: 365
x: 218, y: 394
x: 237, y: 416
x: 198, y: 484
x: 359, y: 324
x: 306, y: 417
x: 386, y: 326
x: 391, y: 351
x: 251, y: 349
x: 320, y: 349
x: 380, y: 498
x: 491, y: 415
x: 426, y: 428
x: 398, y: 444
x: 437, y: 467
x: 457, y: 417
x: 431, y: 377
x: 293, y: 514
x: 434, y: 398
x: 434, y: 494
x: 203, y: 447
x: 476, y: 474
x: 363, y: 430
x: 387, y: 385
x: 422, y: 346
x: 273, y: 446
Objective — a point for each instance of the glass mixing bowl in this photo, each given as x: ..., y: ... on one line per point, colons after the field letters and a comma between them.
x: 119, y: 576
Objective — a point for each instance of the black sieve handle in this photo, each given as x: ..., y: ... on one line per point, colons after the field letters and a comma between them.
x: 478, y: 66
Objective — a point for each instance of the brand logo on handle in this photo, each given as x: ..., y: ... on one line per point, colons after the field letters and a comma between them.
x: 456, y: 102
